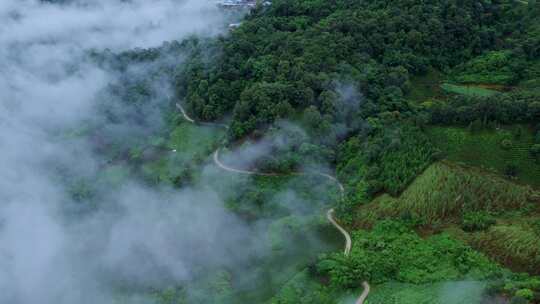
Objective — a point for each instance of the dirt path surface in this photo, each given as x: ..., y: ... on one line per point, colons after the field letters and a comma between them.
x: 348, y: 242
x: 364, y: 294
x: 329, y: 213
x: 186, y: 117
x: 227, y: 168
x: 347, y: 251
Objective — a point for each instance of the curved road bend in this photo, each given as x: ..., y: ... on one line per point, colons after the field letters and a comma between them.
x: 348, y: 242
x: 191, y: 120
x: 227, y: 168
x: 329, y: 213
x: 186, y: 117
x: 347, y: 251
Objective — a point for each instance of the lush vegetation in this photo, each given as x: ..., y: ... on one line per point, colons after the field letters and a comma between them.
x: 428, y: 111
x: 391, y: 251
x: 387, y: 162
x: 511, y: 245
x: 274, y: 65
x: 497, y: 67
x: 495, y: 148
x: 446, y: 193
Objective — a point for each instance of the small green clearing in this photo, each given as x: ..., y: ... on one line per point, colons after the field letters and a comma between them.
x: 467, y: 90
x: 193, y: 141
x: 188, y: 145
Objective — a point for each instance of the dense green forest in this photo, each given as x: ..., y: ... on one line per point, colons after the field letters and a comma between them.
x: 429, y: 112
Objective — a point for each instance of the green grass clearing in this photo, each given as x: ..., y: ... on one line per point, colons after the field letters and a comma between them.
x: 193, y: 141
x: 467, y: 90
x: 188, y: 145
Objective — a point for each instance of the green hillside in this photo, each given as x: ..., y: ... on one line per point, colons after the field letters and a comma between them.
x: 445, y: 192
x: 426, y: 113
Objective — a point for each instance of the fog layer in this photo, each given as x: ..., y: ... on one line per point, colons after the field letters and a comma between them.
x: 145, y: 237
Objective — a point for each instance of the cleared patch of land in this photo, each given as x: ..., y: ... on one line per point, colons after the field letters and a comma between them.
x: 187, y: 144
x: 468, y: 90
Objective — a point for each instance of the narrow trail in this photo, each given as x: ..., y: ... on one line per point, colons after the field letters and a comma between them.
x: 186, y: 117
x: 364, y: 294
x: 329, y: 213
x: 191, y: 120
x: 227, y: 168
x: 348, y: 242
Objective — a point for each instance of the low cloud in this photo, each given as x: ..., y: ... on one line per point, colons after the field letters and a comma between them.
x: 137, y: 237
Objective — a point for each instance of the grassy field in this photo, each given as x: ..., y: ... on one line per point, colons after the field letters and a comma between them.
x: 433, y: 85
x: 444, y: 192
x: 484, y: 149
x: 188, y: 144
x: 468, y: 90
x: 192, y: 141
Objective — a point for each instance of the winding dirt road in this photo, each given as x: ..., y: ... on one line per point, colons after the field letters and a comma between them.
x: 329, y: 213
x: 348, y: 242
x: 186, y: 117
x: 191, y: 120
x: 230, y: 169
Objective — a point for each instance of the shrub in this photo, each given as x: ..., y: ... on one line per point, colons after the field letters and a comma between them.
x: 506, y: 144
x: 525, y: 293
x: 535, y: 150
x: 536, y: 226
x: 477, y: 221
x: 517, y: 132
x: 519, y: 300
x: 391, y: 251
x: 511, y: 170
x: 513, y: 246
x: 490, y: 68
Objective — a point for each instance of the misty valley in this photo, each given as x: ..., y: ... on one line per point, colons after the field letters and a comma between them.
x: 273, y: 152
